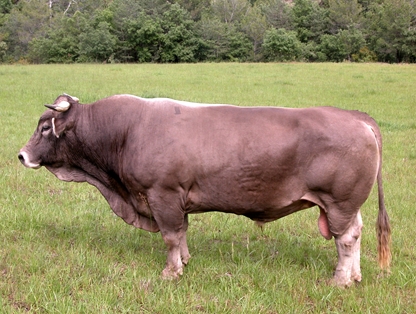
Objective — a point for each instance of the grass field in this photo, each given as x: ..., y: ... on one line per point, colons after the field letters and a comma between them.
x: 62, y: 250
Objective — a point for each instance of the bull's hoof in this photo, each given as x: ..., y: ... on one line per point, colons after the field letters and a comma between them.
x: 185, y: 259
x: 341, y: 283
x: 345, y: 280
x: 171, y: 274
x: 356, y: 277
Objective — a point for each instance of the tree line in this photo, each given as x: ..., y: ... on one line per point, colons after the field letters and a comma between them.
x: 67, y: 31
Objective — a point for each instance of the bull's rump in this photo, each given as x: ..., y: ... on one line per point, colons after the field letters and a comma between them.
x: 264, y: 163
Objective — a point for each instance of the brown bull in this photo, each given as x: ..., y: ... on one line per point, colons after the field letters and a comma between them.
x: 158, y: 160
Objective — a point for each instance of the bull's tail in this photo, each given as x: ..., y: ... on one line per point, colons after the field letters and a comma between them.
x: 383, y: 222
x: 383, y: 228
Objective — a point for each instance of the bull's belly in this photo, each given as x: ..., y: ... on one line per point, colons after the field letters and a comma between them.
x: 259, y: 211
x: 259, y: 193
x: 273, y: 213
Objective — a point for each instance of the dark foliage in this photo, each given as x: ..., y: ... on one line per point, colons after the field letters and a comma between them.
x: 65, y: 31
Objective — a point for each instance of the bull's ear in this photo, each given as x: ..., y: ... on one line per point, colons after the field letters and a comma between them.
x: 72, y: 98
x: 58, y: 127
x: 61, y: 106
x: 63, y: 103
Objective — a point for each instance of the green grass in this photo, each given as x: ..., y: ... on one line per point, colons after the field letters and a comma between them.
x: 62, y: 250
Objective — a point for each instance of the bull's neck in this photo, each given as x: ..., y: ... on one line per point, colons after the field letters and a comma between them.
x: 102, y: 134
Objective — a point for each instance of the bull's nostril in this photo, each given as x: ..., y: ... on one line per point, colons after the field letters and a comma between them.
x: 25, y: 160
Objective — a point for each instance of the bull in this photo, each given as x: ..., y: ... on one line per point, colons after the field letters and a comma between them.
x: 157, y: 160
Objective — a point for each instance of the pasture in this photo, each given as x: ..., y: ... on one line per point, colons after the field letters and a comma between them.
x: 62, y: 250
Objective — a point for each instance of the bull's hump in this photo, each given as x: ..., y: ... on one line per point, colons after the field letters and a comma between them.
x: 168, y: 102
x: 164, y: 101
x: 197, y: 105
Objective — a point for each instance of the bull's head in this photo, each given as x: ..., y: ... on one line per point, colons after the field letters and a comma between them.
x: 42, y: 146
x: 61, y: 104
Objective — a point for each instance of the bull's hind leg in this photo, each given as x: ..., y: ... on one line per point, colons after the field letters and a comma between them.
x: 356, y: 270
x: 348, y: 247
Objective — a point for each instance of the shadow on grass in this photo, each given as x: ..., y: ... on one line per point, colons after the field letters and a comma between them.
x: 117, y: 242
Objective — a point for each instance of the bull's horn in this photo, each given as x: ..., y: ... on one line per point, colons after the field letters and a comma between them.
x: 61, y: 106
x: 72, y: 97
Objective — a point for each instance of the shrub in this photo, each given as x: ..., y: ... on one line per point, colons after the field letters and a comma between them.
x: 332, y: 47
x: 364, y: 55
x: 96, y: 44
x: 3, y: 50
x: 281, y: 45
x: 224, y: 42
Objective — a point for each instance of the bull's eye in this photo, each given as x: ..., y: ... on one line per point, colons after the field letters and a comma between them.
x: 46, y: 128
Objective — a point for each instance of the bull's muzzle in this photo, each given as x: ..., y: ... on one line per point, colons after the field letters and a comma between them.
x: 25, y: 160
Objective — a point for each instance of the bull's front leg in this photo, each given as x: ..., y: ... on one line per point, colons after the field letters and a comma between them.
x: 173, y: 223
x: 178, y: 253
x: 185, y: 256
x: 174, y: 265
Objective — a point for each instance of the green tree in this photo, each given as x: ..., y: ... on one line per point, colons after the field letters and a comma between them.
x: 3, y: 51
x: 180, y: 42
x: 352, y: 41
x: 332, y: 48
x: 170, y: 37
x: 281, y: 45
x: 344, y: 14
x: 127, y: 18
x: 364, y: 55
x: 71, y: 7
x: 81, y: 37
x: 310, y: 20
x: 96, y: 44
x: 224, y: 41
x: 391, y: 26
x: 216, y: 30
x: 254, y: 25
x: 144, y: 37
x: 194, y: 7
x: 124, y: 15
x: 25, y: 22
x: 5, y: 6
x: 366, y: 4
x: 229, y: 11
x: 60, y: 44
x: 277, y: 13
